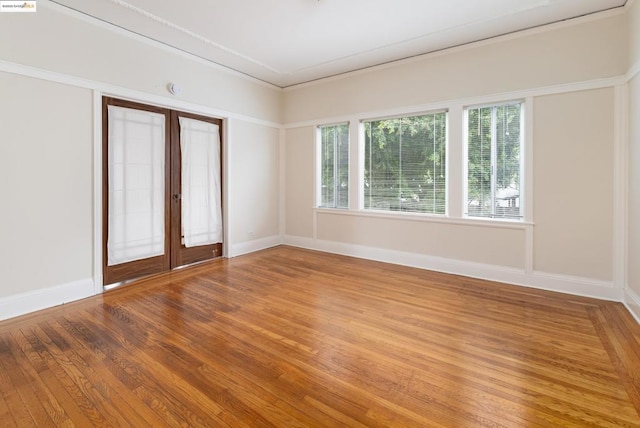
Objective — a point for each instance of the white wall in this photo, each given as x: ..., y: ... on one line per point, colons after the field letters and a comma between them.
x: 584, y: 50
x: 299, y: 182
x: 633, y: 277
x: 47, y: 245
x: 57, y: 40
x: 46, y: 171
x: 254, y: 190
x: 567, y: 73
x: 573, y: 182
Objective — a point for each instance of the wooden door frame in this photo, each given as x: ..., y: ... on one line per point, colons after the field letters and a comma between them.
x: 151, y: 265
x: 181, y: 255
x: 159, y: 263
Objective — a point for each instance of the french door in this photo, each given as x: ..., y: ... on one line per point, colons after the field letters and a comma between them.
x: 162, y: 184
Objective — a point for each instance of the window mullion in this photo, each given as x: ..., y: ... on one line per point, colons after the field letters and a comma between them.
x: 336, y: 168
x: 494, y: 158
x: 400, y: 168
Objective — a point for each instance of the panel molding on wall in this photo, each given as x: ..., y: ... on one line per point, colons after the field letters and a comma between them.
x: 24, y: 303
x: 541, y: 280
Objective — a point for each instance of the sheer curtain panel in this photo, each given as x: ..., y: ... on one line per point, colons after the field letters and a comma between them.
x: 201, y: 195
x: 136, y: 185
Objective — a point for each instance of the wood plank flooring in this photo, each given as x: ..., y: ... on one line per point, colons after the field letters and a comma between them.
x: 293, y: 338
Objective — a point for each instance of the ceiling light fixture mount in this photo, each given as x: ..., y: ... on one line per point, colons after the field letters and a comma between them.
x: 174, y: 89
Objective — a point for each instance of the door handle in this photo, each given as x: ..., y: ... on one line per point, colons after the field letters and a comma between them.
x: 177, y: 196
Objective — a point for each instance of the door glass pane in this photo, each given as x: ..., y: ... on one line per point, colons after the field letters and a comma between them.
x: 201, y: 195
x: 136, y: 185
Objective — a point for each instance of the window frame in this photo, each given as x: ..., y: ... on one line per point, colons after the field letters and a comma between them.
x: 319, y: 166
x: 523, y: 159
x: 362, y: 168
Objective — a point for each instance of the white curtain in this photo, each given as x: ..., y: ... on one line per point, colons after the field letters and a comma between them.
x: 201, y: 195
x: 136, y: 185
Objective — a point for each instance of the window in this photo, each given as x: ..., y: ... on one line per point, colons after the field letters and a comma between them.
x: 494, y: 136
x: 405, y: 164
x: 334, y: 166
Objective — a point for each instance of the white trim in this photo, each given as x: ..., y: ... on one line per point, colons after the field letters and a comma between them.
x: 356, y: 164
x: 128, y: 94
x: 403, y: 115
x: 575, y: 285
x: 527, y: 202
x: 632, y: 303
x: 528, y: 249
x: 315, y: 223
x: 282, y: 182
x: 456, y: 170
x: 408, y: 216
x: 255, y: 245
x: 481, y: 99
x: 527, y: 184
x: 227, y: 221
x: 97, y: 192
x: 620, y: 184
x: 632, y: 72
x: 317, y: 167
x: 541, y: 280
x: 151, y: 42
x: 24, y: 303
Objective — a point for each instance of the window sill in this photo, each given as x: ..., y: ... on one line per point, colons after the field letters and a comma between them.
x: 429, y: 218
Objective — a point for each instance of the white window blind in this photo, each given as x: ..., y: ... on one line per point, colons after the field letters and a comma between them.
x: 136, y: 161
x: 405, y: 164
x: 334, y: 166
x: 493, y: 161
x: 201, y: 194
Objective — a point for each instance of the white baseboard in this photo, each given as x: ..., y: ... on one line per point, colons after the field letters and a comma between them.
x: 546, y: 281
x: 24, y: 303
x: 632, y: 302
x: 255, y: 245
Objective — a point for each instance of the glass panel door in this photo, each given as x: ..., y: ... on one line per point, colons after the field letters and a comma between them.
x: 162, y: 186
x: 135, y: 190
x: 136, y: 185
x: 196, y: 174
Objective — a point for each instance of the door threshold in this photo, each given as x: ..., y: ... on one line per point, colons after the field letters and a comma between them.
x: 120, y: 284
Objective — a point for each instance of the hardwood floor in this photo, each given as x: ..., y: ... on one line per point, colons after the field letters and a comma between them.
x: 288, y: 337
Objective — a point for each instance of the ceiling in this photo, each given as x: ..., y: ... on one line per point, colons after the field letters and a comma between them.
x: 287, y: 42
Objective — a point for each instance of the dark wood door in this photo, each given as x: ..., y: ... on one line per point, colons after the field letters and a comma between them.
x: 182, y: 255
x: 175, y: 253
x: 113, y: 273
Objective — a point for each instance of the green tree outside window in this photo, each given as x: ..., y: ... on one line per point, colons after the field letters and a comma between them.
x: 334, y: 165
x: 493, y: 161
x: 405, y: 164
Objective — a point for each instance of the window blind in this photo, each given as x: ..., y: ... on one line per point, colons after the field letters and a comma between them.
x: 201, y: 200
x: 136, y: 185
x: 334, y: 165
x: 493, y: 161
x: 405, y: 164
